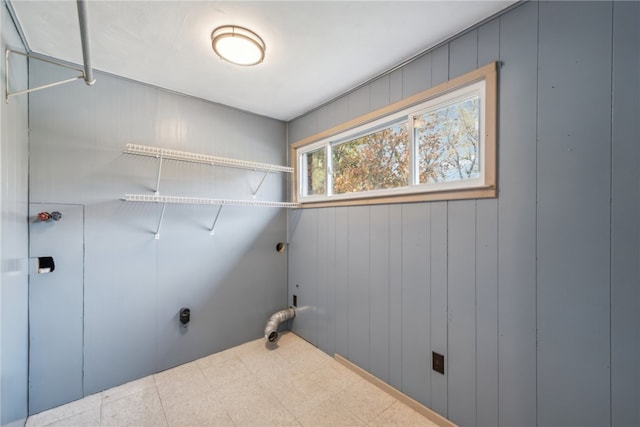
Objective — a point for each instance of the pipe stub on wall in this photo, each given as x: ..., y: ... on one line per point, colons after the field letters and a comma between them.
x: 271, y: 329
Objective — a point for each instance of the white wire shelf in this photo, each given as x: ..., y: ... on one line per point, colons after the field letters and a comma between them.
x: 202, y: 201
x: 164, y: 153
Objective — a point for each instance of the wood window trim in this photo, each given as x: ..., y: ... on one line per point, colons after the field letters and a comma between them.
x: 488, y: 73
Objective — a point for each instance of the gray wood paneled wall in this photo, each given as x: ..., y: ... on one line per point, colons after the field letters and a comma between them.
x: 533, y: 297
x: 134, y: 285
x: 14, y: 160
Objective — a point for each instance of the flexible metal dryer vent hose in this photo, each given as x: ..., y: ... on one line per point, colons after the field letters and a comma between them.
x: 271, y: 330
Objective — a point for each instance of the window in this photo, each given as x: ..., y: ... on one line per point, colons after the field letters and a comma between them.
x: 437, y: 145
x: 448, y: 140
x: 315, y: 172
x: 376, y: 161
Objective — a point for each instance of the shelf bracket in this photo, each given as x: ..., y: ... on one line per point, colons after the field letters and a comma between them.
x: 261, y: 182
x: 9, y: 94
x: 86, y: 73
x: 159, y: 174
x: 157, y: 236
x: 215, y: 221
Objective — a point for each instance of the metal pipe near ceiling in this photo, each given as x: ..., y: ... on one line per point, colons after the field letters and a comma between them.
x: 84, y: 38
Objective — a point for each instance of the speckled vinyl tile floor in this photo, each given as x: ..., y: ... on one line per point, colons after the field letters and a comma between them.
x: 254, y: 384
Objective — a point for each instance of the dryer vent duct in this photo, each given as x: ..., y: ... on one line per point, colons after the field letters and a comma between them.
x: 271, y: 330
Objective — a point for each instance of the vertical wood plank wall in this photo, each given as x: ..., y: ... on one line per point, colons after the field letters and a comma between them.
x: 533, y: 297
x: 14, y: 233
x: 625, y: 211
x: 573, y: 180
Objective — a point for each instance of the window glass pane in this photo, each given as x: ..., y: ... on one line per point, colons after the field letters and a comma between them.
x: 447, y: 142
x: 376, y: 161
x: 316, y: 172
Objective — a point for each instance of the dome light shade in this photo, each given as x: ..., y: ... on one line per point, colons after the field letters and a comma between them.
x: 238, y: 45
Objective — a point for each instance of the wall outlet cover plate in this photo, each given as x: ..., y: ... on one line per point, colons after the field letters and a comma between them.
x: 438, y: 362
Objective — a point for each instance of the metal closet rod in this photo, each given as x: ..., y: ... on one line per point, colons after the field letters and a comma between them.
x: 86, y: 72
x: 84, y: 38
x: 164, y: 153
x: 200, y: 201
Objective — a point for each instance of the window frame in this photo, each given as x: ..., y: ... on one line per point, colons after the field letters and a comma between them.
x: 410, y: 107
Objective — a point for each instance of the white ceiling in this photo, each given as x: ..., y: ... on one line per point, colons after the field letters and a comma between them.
x: 316, y: 50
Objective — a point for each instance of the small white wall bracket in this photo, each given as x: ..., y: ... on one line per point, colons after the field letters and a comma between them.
x: 266, y: 173
x: 157, y: 235
x: 215, y: 221
x: 159, y: 174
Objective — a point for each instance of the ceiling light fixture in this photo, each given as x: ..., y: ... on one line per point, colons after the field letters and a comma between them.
x: 238, y: 45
